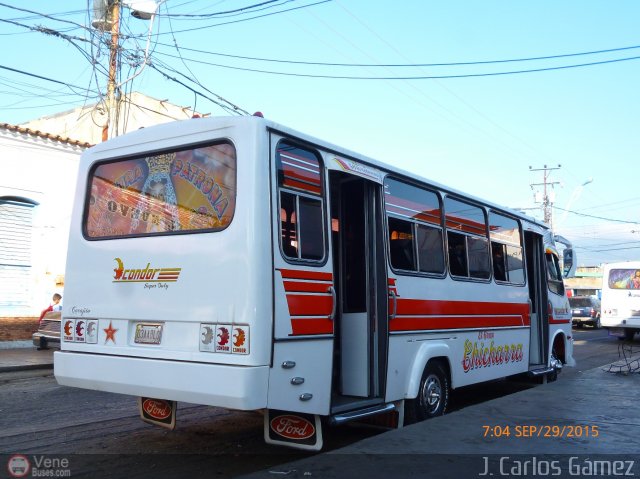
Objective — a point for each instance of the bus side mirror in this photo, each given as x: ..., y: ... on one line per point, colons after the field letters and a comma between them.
x: 568, y: 263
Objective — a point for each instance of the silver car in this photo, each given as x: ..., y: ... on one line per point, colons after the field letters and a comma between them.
x: 48, y: 333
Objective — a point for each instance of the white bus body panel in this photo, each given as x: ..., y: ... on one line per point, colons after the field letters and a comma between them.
x: 199, y: 383
x: 409, y: 352
x: 224, y: 279
x: 620, y: 306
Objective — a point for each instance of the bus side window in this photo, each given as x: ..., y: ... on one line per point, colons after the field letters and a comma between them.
x: 467, y: 240
x: 430, y: 254
x: 499, y: 267
x: 457, y: 254
x: 401, y: 244
x: 311, y: 228
x: 302, y: 234
x: 554, y: 276
x: 414, y: 217
x: 506, y: 249
x: 288, y: 225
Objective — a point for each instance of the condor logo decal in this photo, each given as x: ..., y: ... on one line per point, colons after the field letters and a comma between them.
x: 144, y: 275
x: 292, y: 427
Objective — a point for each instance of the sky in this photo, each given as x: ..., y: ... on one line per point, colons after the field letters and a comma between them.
x: 480, y: 96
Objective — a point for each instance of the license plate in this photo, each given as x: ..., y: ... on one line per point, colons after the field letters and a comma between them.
x: 576, y: 311
x: 148, y: 333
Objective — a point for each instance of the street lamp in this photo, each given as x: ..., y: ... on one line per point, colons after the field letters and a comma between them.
x: 142, y: 9
x: 575, y: 194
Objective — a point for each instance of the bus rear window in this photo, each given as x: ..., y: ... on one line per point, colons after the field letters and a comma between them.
x: 624, y: 279
x: 167, y: 192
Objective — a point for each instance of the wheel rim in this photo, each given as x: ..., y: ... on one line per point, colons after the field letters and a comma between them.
x: 431, y: 394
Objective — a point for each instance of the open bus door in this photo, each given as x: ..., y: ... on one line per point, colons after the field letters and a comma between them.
x: 534, y: 250
x: 359, y: 265
x: 330, y: 294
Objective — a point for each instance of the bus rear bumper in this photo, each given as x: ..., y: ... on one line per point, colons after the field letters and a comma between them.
x: 233, y: 387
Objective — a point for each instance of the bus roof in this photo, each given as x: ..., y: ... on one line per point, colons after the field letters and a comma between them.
x: 164, y: 135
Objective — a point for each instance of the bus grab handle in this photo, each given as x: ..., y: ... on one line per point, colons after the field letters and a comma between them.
x: 394, y: 297
x: 334, y: 302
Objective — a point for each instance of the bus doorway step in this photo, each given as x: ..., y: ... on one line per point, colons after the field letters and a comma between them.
x: 342, y: 418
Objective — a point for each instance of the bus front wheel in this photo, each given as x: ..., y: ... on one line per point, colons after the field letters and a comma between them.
x: 433, y: 394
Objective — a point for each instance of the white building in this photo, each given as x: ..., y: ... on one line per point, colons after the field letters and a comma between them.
x: 39, y: 164
x: 36, y: 193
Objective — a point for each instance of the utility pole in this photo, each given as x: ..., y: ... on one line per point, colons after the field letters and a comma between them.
x: 547, y: 202
x: 108, y: 131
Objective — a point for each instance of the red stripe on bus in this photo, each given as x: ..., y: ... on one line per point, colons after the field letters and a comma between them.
x: 305, y: 274
x: 309, y: 305
x: 409, y: 323
x: 299, y: 286
x: 305, y: 326
x: 422, y: 307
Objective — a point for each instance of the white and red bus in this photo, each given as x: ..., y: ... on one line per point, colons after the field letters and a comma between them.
x: 235, y: 262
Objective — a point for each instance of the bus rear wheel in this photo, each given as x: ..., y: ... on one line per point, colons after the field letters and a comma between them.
x: 433, y: 394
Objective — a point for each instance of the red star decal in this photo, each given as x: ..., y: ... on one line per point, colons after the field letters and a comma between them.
x: 111, y: 333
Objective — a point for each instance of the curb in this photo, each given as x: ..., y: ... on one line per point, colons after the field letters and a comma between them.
x: 25, y: 367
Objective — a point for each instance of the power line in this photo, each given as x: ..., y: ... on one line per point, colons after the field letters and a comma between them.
x: 247, y: 19
x: 225, y: 104
x: 597, y: 217
x: 426, y: 77
x: 15, y: 70
x: 408, y: 65
x: 215, y: 14
x: 42, y: 15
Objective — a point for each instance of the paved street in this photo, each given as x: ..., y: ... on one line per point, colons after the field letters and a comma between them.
x: 41, y: 417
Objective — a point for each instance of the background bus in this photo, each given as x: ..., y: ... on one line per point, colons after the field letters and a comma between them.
x: 621, y: 298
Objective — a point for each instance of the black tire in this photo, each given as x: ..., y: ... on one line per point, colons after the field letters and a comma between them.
x: 596, y: 323
x: 433, y: 394
x: 580, y: 325
x: 629, y: 333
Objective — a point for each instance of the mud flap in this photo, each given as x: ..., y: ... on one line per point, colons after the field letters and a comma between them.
x: 159, y: 412
x: 297, y: 430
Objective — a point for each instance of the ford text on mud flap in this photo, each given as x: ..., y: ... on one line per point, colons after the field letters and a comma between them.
x: 158, y: 412
x: 237, y: 263
x: 302, y: 431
